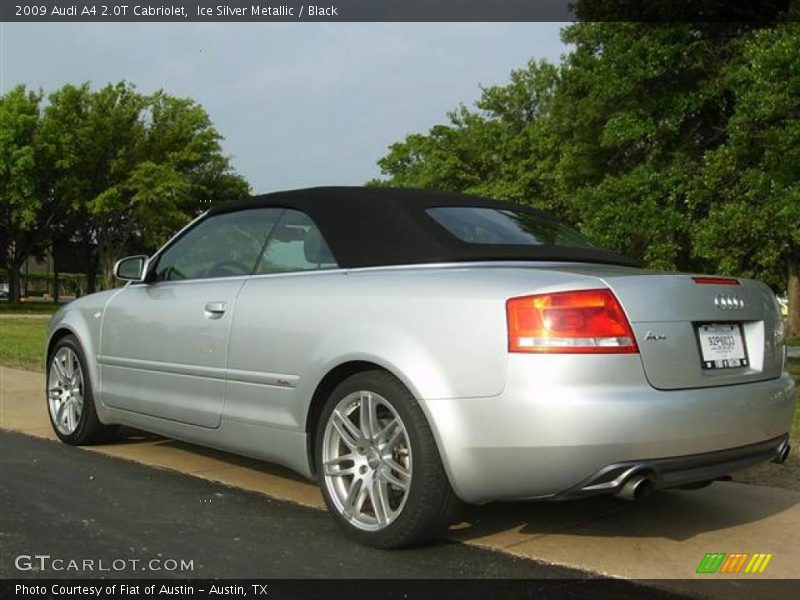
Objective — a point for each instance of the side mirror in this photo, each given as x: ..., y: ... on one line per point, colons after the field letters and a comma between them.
x: 131, y: 268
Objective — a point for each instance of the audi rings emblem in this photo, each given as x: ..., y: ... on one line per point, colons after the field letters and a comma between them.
x: 728, y: 302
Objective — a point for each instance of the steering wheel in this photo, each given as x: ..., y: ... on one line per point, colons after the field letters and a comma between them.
x: 227, y: 268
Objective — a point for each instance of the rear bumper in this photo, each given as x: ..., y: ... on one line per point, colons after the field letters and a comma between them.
x: 679, y: 471
x: 562, y: 421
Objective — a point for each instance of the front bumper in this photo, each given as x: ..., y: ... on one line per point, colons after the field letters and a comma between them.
x: 562, y: 420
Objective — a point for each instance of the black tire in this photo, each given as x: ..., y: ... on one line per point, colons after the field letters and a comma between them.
x: 430, y: 503
x: 89, y: 429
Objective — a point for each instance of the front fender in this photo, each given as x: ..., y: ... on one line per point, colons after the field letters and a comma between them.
x: 83, y: 318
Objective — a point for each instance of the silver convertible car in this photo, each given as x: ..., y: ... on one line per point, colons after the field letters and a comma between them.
x: 411, y: 350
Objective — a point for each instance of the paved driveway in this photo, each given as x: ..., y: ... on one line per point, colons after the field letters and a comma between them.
x: 663, y: 538
x: 136, y: 513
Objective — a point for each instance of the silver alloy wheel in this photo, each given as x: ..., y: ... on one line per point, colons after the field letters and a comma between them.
x: 366, y: 460
x: 65, y: 390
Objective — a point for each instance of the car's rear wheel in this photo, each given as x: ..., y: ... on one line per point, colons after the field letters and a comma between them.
x: 70, y: 401
x: 378, y: 464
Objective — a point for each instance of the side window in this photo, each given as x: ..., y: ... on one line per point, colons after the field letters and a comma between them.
x: 295, y: 244
x: 223, y: 245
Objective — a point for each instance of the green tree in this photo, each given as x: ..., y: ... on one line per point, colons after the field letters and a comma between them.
x: 639, y: 107
x: 94, y: 142
x: 133, y: 168
x: 676, y: 143
x: 25, y: 214
x: 752, y: 182
x: 503, y: 149
x: 180, y: 172
x: 611, y: 140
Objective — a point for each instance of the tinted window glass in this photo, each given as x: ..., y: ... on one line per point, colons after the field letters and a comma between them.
x: 296, y: 244
x: 494, y: 226
x: 224, y: 245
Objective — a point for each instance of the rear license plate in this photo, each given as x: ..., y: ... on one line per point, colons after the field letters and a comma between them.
x: 722, y: 346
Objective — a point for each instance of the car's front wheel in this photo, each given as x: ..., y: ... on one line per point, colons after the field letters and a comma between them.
x: 378, y: 464
x: 70, y: 401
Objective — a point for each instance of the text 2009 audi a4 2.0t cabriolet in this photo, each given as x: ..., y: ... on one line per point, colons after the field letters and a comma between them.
x: 410, y: 349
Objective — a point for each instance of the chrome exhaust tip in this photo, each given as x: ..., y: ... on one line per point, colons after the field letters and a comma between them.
x: 783, y: 453
x: 636, y: 487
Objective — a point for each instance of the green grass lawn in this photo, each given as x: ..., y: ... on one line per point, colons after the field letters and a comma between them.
x: 22, y: 342
x: 794, y: 369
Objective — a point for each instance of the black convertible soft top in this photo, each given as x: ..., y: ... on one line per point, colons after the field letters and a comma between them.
x: 381, y: 226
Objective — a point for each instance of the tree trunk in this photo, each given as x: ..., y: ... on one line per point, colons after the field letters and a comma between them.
x: 55, y: 284
x: 793, y: 322
x: 14, y: 283
x: 89, y: 262
x: 108, y: 276
x: 91, y: 272
x: 91, y: 280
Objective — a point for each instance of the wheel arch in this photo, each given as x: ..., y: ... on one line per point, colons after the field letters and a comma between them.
x: 324, y: 388
x: 86, y: 334
x: 60, y: 333
x: 333, y: 378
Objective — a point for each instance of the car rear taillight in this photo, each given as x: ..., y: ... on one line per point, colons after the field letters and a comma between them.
x: 586, y: 321
x: 715, y: 280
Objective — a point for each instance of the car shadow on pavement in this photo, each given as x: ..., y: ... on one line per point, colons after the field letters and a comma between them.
x: 673, y: 514
x: 130, y: 436
x: 669, y: 514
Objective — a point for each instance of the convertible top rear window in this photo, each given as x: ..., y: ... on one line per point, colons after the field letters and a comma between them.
x: 480, y: 225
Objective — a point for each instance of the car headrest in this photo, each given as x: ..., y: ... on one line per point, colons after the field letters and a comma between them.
x: 315, y: 248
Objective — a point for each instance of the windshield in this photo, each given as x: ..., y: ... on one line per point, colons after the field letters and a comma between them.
x: 498, y: 226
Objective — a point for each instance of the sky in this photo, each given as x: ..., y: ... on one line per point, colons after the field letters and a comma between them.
x: 299, y: 104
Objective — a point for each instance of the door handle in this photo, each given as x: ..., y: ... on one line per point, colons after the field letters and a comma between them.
x: 214, y: 310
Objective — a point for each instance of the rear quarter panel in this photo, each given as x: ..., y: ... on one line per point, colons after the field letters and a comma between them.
x: 442, y: 331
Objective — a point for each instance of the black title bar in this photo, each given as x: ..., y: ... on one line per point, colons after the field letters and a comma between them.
x: 384, y: 589
x: 394, y: 10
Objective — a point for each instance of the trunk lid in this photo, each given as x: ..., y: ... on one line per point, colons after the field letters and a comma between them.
x: 667, y: 310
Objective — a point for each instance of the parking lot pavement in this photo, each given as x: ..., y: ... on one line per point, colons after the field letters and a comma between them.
x: 663, y: 538
x: 74, y: 505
